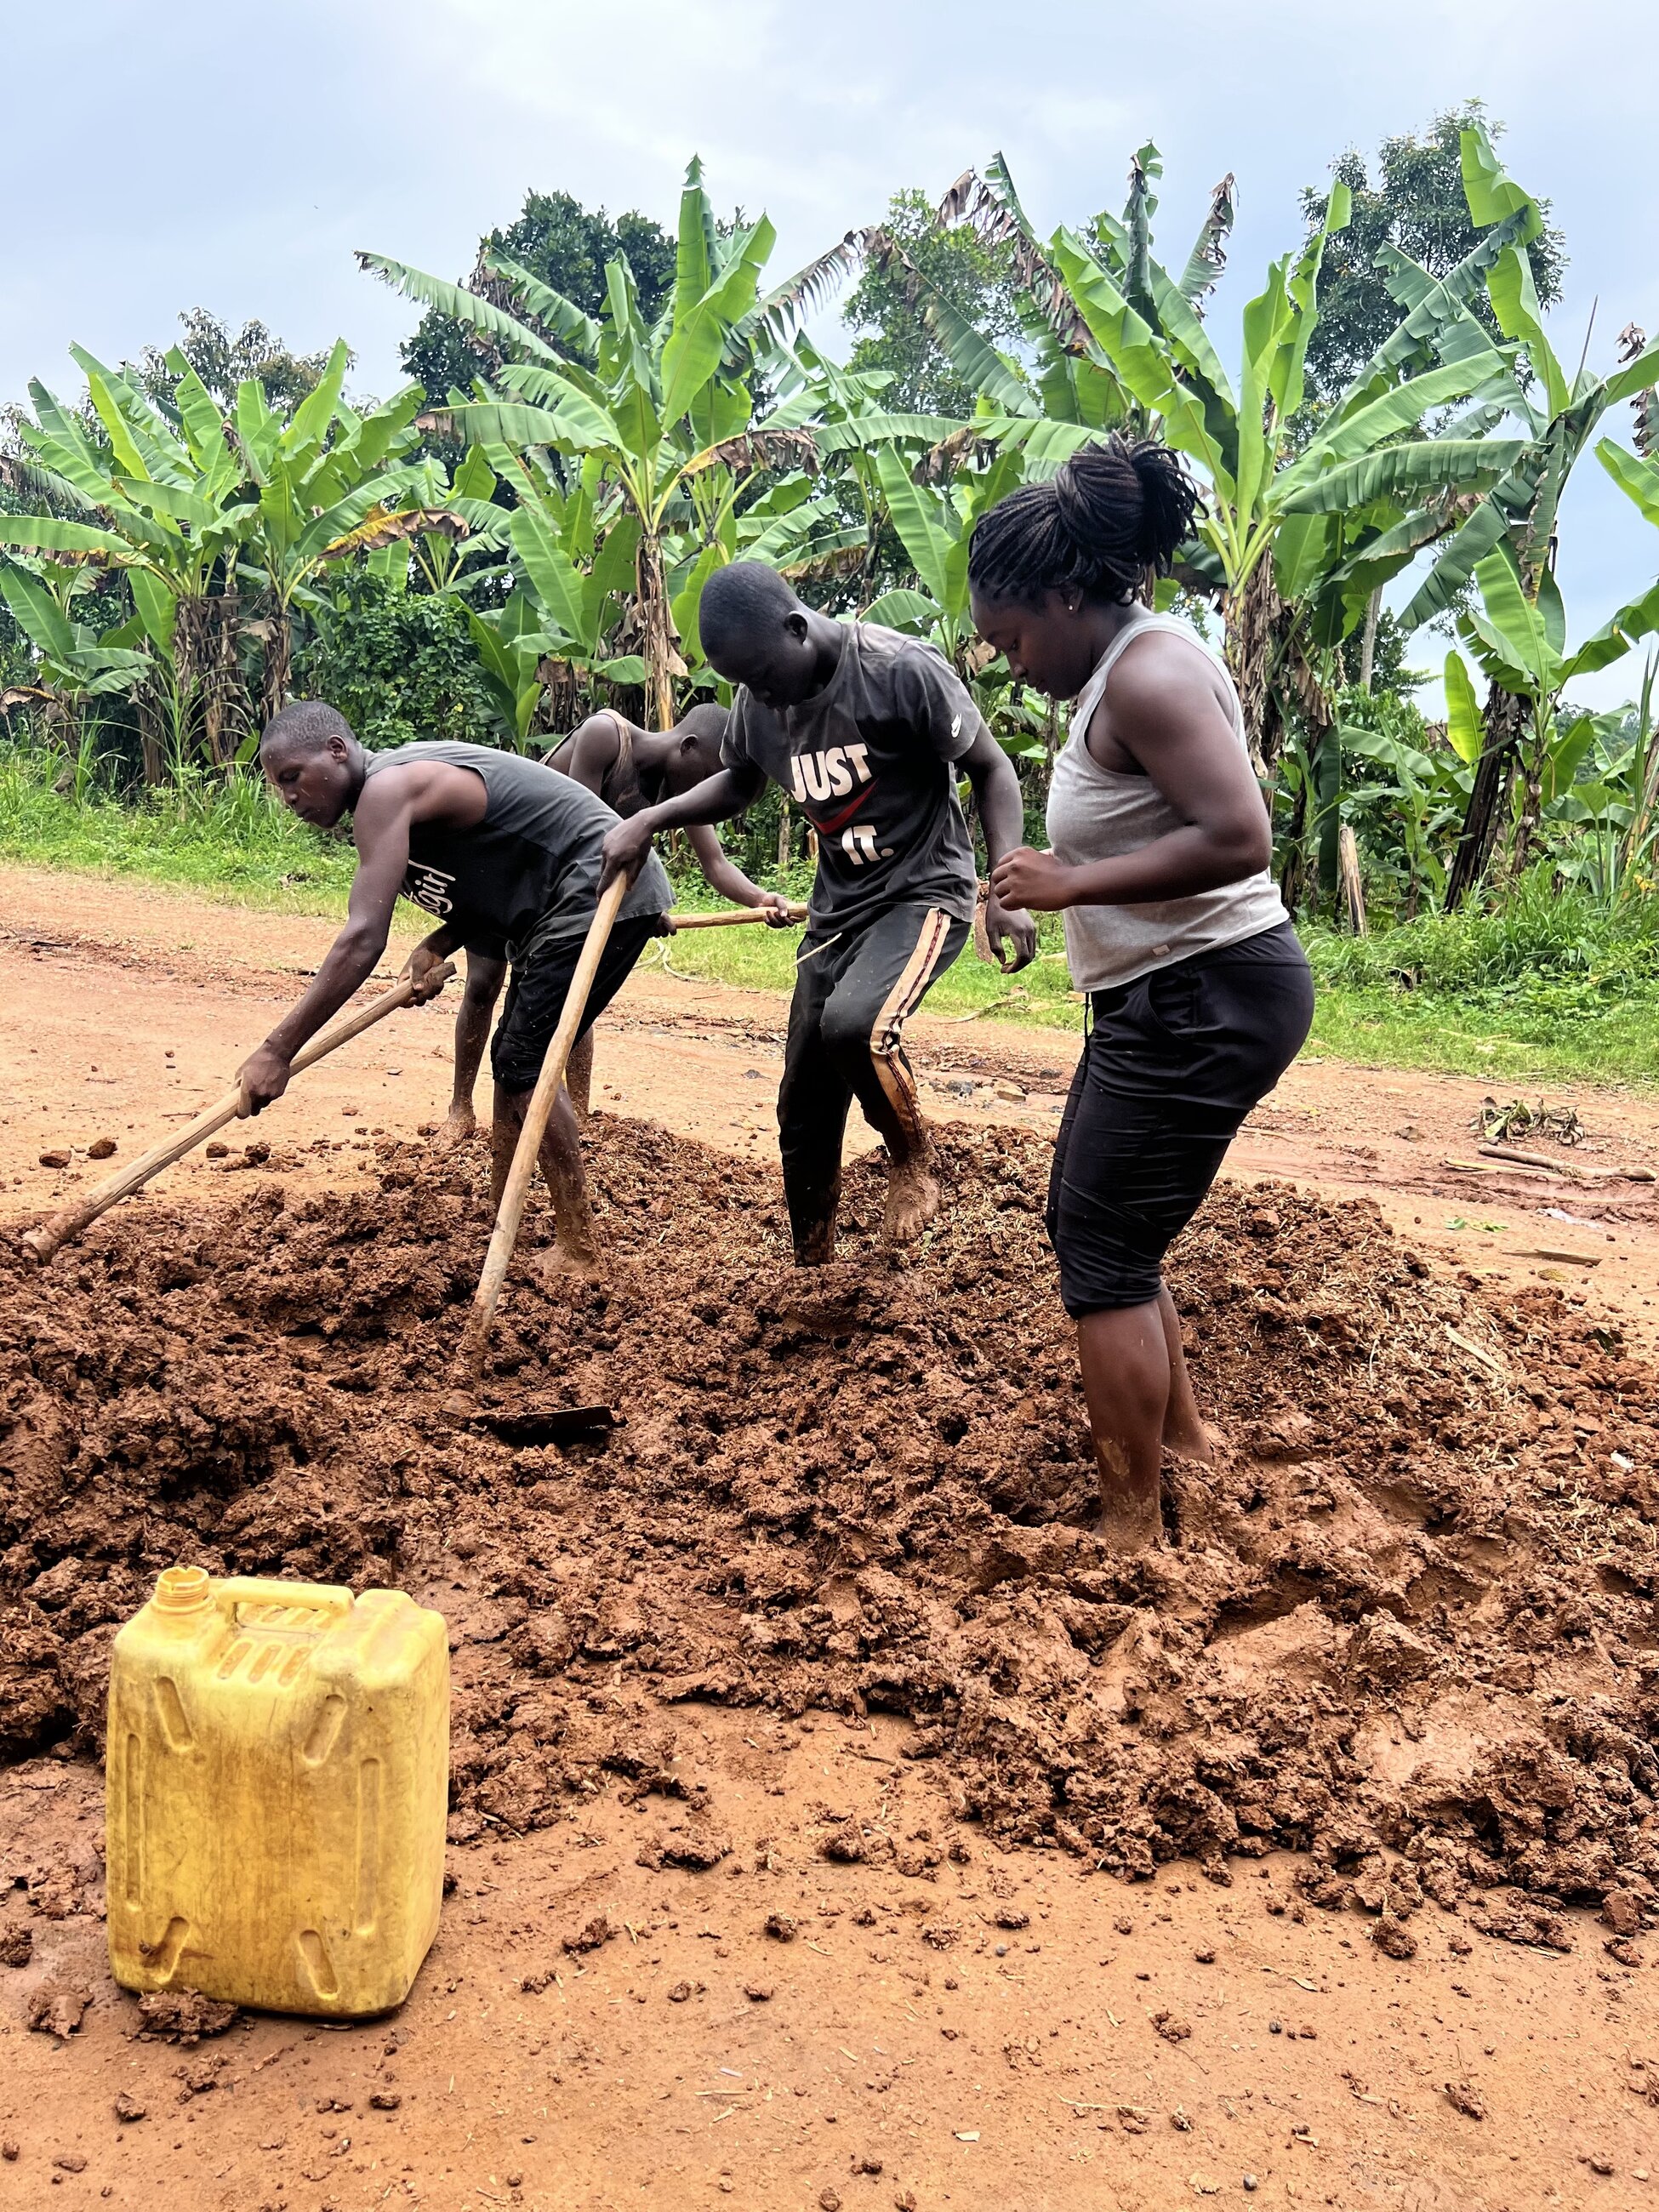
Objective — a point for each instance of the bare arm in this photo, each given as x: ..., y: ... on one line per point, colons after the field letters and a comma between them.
x: 722, y: 874
x: 382, y: 824
x: 1002, y: 817
x: 1165, y: 715
x: 716, y: 798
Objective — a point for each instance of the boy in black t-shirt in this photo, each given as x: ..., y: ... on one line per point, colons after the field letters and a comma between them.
x: 866, y: 730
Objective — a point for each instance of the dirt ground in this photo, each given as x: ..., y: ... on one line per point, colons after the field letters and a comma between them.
x: 1346, y: 1805
x: 122, y: 1002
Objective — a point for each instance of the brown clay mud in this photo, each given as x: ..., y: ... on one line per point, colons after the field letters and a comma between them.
x: 1408, y: 1627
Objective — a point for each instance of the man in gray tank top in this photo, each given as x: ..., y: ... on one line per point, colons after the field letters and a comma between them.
x: 506, y: 853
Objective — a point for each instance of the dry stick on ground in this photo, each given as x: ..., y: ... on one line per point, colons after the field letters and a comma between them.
x: 70, y: 1220
x: 505, y: 1234
x: 1571, y: 1169
x: 735, y: 920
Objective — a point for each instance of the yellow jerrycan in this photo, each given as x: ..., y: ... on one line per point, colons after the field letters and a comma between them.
x: 277, y: 1782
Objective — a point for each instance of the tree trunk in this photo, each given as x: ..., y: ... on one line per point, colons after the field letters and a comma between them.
x: 783, y: 834
x: 279, y: 666
x: 1256, y: 622
x: 555, y: 710
x: 662, y: 658
x: 1482, y: 815
x: 1324, y: 749
x: 1293, y: 867
x: 1532, y: 803
x: 1353, y: 905
x: 151, y: 749
x: 1368, y: 639
x: 207, y: 674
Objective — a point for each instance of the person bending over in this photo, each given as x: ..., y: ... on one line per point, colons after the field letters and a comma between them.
x: 866, y: 730
x: 1199, y: 991
x: 630, y: 768
x: 504, y: 853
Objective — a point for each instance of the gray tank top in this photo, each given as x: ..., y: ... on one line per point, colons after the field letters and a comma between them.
x: 531, y: 868
x: 1097, y: 813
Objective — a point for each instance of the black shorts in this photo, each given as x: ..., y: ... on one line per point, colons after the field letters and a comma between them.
x: 1172, y: 1064
x: 541, y: 983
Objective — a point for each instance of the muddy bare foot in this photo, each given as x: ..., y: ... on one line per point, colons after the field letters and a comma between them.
x: 815, y: 1243
x: 461, y: 1123
x: 1204, y: 1443
x: 1126, y: 1528
x: 913, y: 1200
x: 563, y: 1264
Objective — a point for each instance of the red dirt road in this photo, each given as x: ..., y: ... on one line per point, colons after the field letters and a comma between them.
x: 126, y: 1009
x: 973, y: 2031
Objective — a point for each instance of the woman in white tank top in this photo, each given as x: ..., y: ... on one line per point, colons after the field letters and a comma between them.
x: 1199, y: 995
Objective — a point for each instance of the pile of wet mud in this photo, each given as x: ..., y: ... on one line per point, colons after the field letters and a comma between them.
x: 1408, y: 1627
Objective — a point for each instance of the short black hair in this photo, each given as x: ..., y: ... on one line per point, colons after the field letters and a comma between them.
x: 306, y: 725
x: 745, y: 600
x: 706, y: 721
x: 1111, y: 518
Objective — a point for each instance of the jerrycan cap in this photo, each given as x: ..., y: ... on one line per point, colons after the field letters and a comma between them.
x: 182, y: 1590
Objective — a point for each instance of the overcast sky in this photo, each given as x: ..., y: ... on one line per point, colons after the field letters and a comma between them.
x: 160, y: 159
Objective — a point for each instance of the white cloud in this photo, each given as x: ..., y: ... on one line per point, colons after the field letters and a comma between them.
x: 233, y: 160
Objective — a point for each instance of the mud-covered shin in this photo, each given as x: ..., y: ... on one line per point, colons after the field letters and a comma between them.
x: 510, y: 1214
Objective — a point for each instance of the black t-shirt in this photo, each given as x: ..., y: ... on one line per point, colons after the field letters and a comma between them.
x: 868, y: 760
x: 531, y: 868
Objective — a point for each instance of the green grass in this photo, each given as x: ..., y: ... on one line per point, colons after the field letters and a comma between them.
x: 1539, y: 1029
x: 1551, y: 1037
x: 764, y: 960
x: 1546, y: 987
x: 226, y: 840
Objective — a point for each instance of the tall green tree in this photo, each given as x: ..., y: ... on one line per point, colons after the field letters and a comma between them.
x: 219, y: 524
x: 651, y: 419
x: 1556, y: 413
x: 565, y: 247
x: 225, y: 360
x: 1518, y: 633
x: 1297, y: 530
x: 1410, y: 202
x: 887, y: 308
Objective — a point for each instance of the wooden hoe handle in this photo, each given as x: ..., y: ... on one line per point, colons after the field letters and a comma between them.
x: 505, y: 1234
x: 734, y: 919
x: 54, y: 1234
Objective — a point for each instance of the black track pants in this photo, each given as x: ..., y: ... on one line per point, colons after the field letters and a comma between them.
x: 854, y: 993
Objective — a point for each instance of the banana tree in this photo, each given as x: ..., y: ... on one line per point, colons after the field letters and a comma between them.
x: 193, y: 508
x: 72, y: 661
x: 1297, y: 530
x: 1556, y: 416
x: 661, y: 411
x: 177, y: 564
x: 1518, y: 637
x: 315, y: 479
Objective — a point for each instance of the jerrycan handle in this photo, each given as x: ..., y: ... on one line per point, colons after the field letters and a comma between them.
x: 237, y: 1591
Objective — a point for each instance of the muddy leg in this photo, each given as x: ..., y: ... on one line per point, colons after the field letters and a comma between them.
x: 1186, y: 1433
x: 897, y: 959
x: 579, y: 1075
x: 812, y: 1217
x: 484, y: 984
x: 575, y: 1249
x: 893, y: 1109
x: 813, y: 1101
x: 1124, y: 1358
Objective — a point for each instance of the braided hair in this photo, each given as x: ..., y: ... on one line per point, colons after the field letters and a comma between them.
x: 1113, y: 514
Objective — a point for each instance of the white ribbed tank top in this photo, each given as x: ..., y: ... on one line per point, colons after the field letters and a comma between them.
x: 1097, y: 813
